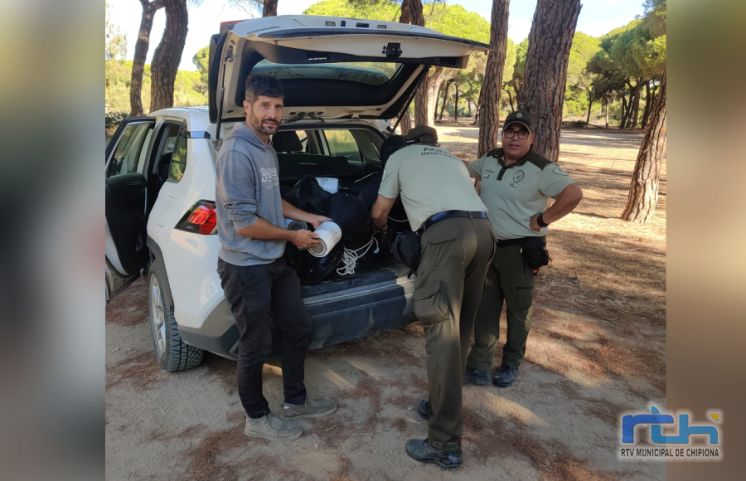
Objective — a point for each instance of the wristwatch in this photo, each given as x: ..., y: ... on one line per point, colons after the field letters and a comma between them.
x: 540, y: 220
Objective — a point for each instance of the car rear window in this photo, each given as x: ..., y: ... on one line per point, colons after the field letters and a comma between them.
x: 367, y: 73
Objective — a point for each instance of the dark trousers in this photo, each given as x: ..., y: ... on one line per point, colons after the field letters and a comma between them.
x: 509, y: 280
x: 256, y: 294
x: 455, y: 255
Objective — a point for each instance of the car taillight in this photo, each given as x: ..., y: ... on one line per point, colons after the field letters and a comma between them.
x: 201, y: 219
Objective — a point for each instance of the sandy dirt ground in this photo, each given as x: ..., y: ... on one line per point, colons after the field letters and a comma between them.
x: 597, y: 348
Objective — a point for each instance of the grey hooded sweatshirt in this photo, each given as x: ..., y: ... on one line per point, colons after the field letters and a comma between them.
x: 247, y: 187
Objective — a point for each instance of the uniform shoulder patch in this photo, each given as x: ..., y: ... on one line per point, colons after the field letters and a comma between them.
x: 496, y: 152
x: 538, y: 160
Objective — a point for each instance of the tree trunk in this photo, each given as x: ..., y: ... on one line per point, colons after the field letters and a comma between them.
x: 270, y: 8
x: 141, y: 53
x: 648, y: 106
x: 606, y: 111
x: 489, y: 95
x: 423, y: 113
x: 543, y: 89
x: 445, y: 99
x: 433, y: 88
x: 167, y: 56
x: 643, y: 190
x: 635, y: 105
x: 455, y: 106
x: 425, y: 98
x: 410, y: 13
x: 590, y: 104
x: 625, y: 111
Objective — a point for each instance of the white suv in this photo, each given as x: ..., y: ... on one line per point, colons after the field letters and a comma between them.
x: 344, y: 80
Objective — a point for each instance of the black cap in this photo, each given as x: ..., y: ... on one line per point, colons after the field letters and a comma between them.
x: 422, y: 134
x: 519, y: 117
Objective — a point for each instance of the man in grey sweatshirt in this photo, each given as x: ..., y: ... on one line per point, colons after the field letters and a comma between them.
x: 256, y: 281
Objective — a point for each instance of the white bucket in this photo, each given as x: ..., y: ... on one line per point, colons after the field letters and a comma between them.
x: 329, y: 234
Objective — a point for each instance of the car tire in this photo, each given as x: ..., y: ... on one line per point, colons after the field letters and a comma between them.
x: 172, y: 353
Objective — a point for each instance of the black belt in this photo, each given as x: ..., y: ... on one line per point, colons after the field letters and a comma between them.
x: 447, y: 214
x: 511, y: 242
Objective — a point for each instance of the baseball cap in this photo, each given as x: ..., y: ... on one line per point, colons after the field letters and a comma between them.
x: 423, y: 134
x: 519, y: 117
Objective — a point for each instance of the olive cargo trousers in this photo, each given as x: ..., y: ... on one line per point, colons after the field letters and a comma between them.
x: 509, y: 280
x: 455, y: 255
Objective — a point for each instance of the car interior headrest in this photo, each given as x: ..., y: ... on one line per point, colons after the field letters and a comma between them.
x: 287, y: 141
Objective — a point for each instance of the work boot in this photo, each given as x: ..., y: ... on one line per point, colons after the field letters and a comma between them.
x: 312, y: 408
x: 476, y: 377
x: 424, y: 409
x: 505, y: 376
x: 420, y: 450
x: 271, y: 427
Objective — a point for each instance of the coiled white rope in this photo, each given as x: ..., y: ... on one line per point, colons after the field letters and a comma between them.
x: 350, y: 257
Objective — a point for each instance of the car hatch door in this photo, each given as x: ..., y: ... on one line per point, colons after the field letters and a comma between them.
x: 331, y: 67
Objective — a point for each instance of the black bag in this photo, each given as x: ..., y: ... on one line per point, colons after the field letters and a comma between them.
x: 535, y: 253
x: 406, y: 249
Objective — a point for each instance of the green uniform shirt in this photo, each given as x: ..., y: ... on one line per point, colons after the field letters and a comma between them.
x: 429, y: 180
x: 518, y: 192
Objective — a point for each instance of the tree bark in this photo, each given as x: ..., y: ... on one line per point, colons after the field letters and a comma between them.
x: 410, y: 13
x: 606, y: 111
x: 455, y: 106
x: 589, y: 91
x: 648, y: 106
x: 489, y: 95
x: 270, y: 8
x: 433, y: 88
x: 635, y: 105
x: 445, y: 99
x: 167, y: 55
x: 543, y: 89
x: 625, y: 112
x: 643, y: 189
x: 141, y: 53
x: 423, y: 101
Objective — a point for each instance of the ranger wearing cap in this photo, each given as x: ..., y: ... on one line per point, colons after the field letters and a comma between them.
x: 457, y: 244
x: 515, y: 185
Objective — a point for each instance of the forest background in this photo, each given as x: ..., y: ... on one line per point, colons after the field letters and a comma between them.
x: 612, y: 79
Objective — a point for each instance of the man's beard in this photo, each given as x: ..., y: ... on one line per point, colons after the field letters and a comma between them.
x: 267, y: 126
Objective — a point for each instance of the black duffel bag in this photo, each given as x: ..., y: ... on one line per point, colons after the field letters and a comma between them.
x: 406, y: 249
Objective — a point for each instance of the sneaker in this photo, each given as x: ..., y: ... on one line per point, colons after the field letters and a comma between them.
x: 476, y: 377
x: 424, y: 409
x: 312, y: 408
x: 420, y: 450
x: 505, y: 376
x: 272, y: 427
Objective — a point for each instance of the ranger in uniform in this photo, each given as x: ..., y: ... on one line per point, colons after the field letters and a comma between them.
x: 515, y: 185
x: 457, y: 244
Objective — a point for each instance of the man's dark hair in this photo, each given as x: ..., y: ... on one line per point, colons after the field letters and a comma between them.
x: 267, y: 86
x: 422, y: 134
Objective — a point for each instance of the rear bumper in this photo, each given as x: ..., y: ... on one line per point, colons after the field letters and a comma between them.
x: 338, y: 316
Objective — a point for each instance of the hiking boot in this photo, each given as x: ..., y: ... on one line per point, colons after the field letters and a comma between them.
x: 272, y: 427
x: 505, y: 376
x: 312, y: 408
x: 420, y: 450
x: 424, y: 409
x: 476, y: 377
